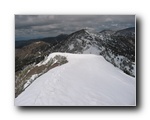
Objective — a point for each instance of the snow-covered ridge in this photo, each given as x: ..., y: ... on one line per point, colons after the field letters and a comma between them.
x: 85, y: 80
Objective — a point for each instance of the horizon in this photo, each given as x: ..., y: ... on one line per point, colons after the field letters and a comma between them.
x: 64, y: 34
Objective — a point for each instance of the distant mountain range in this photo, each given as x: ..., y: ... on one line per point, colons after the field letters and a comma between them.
x: 50, y: 40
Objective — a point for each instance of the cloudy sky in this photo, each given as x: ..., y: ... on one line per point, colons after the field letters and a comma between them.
x: 39, y: 26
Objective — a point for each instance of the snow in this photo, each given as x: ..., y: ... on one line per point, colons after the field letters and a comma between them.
x: 134, y: 69
x: 91, y: 50
x: 119, y: 61
x: 46, y: 60
x: 91, y: 33
x: 79, y: 40
x: 38, y: 42
x: 86, y: 80
x: 71, y: 46
x: 33, y: 77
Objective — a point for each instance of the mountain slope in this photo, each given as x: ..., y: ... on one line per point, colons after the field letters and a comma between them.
x: 117, y: 47
x: 84, y: 80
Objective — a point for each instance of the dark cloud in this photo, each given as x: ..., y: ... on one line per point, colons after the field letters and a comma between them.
x: 25, y: 21
x: 35, y: 26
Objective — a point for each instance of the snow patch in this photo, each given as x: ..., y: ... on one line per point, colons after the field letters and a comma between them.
x: 33, y: 77
x: 71, y: 46
x: 91, y: 50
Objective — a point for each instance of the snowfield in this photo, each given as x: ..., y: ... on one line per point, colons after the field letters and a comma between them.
x: 86, y: 80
